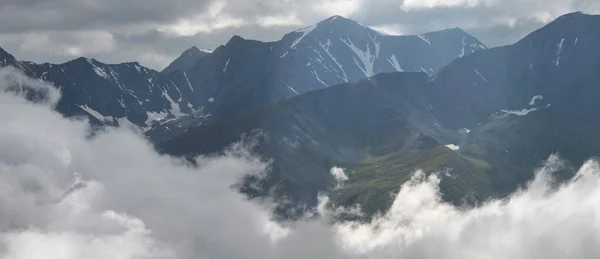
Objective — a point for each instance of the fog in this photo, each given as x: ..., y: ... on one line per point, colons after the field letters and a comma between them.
x: 65, y: 194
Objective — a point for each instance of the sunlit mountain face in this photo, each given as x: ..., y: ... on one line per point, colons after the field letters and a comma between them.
x: 336, y: 141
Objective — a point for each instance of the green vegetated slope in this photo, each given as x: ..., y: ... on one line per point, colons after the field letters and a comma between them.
x: 373, y: 182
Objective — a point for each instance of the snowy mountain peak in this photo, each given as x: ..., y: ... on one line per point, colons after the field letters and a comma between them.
x: 341, y: 24
x: 339, y: 50
x: 337, y: 19
x: 332, y: 18
x: 331, y: 28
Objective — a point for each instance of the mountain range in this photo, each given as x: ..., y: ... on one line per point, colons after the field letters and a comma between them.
x: 484, y: 122
x: 336, y: 50
x: 339, y: 94
x: 203, y: 86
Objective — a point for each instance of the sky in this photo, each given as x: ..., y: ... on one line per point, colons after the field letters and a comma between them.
x: 155, y: 32
x: 67, y: 195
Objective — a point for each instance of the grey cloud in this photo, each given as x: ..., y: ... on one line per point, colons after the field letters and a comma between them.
x: 136, y: 25
x: 58, y: 15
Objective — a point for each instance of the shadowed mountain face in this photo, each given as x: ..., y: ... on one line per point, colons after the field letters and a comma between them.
x: 245, y: 74
x: 202, y: 87
x: 335, y: 126
x: 540, y: 98
x: 126, y: 94
x: 505, y: 110
x: 186, y: 60
x: 339, y: 50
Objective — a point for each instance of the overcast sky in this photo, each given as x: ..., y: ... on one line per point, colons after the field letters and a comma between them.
x: 154, y: 32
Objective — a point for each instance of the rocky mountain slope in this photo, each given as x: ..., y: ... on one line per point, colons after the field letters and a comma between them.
x: 245, y: 74
x: 186, y: 60
x: 112, y: 94
x: 484, y: 122
x: 202, y: 87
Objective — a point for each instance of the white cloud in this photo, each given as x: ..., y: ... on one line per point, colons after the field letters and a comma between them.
x: 539, y: 222
x: 55, y: 32
x: 64, y: 195
x: 215, y: 18
x: 278, y: 20
x: 338, y: 175
x: 153, y: 58
x: 427, y: 4
x: 390, y: 29
x: 337, y: 7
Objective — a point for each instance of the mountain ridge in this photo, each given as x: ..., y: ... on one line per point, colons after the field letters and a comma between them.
x: 187, y: 59
x: 304, y: 60
x: 484, y: 123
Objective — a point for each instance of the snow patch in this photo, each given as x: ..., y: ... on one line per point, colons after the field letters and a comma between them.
x: 305, y: 31
x: 206, y: 50
x: 211, y: 100
x: 154, y: 116
x: 99, y: 71
x: 575, y: 43
x: 424, y: 39
x: 291, y: 88
x: 124, y: 122
x: 175, y: 110
x: 137, y: 68
x: 560, y: 45
x: 177, y: 88
x: 96, y: 114
x: 226, y: 64
x: 522, y: 112
x: 188, y: 81
x: 318, y: 78
x: 453, y: 147
x: 467, y: 130
x: 535, y: 98
x: 394, y: 62
x: 480, y: 75
x: 366, y: 57
x: 325, y: 47
x: 462, y: 52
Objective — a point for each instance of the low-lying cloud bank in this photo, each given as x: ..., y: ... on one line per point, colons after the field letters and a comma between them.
x: 65, y: 195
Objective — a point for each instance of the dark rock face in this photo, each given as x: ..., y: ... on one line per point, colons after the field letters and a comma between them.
x: 186, y: 60
x: 119, y: 94
x: 245, y: 74
x: 309, y: 134
x: 506, y: 109
x: 126, y: 94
